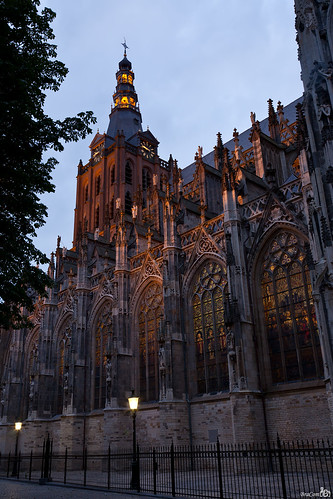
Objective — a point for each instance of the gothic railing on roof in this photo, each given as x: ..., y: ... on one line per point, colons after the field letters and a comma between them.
x: 293, y: 189
x: 164, y: 163
x: 215, y: 225
x: 255, y: 207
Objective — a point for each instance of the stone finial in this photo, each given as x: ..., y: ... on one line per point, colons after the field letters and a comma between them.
x: 253, y: 117
x: 218, y: 152
x: 280, y: 111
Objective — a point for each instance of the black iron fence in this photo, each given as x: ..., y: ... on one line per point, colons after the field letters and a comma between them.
x: 281, y: 470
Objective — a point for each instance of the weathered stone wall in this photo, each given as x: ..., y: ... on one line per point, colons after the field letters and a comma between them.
x: 298, y: 415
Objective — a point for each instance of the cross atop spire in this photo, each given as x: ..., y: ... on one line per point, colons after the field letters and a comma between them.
x: 125, y: 46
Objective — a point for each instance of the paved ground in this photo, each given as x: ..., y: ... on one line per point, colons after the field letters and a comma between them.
x: 21, y: 490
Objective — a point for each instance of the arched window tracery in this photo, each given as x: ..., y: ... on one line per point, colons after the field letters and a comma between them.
x: 63, y: 362
x: 102, y: 344
x: 208, y: 329
x: 289, y: 313
x: 150, y: 312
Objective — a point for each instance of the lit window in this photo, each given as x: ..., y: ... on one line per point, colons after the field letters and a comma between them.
x: 103, y: 334
x: 290, y: 320
x: 124, y: 101
x: 130, y: 79
x: 124, y: 78
x: 151, y: 310
x: 132, y: 101
x: 209, y: 330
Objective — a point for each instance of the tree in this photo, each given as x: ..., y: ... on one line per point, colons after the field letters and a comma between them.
x: 28, y: 70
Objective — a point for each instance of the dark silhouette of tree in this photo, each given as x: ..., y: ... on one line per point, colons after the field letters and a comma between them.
x: 28, y: 70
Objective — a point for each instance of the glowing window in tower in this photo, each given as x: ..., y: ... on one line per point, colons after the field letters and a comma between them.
x: 124, y: 78
x: 289, y: 313
x: 132, y: 101
x: 103, y: 335
x: 124, y: 101
x: 209, y: 330
x: 150, y: 313
x: 130, y: 79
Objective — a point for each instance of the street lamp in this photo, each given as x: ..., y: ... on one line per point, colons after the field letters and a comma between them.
x: 135, y: 481
x: 18, y: 427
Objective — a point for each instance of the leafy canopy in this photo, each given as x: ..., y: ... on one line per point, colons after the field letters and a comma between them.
x: 28, y: 69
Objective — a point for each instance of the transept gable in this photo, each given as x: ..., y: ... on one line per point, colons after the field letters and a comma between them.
x: 276, y: 212
x: 204, y: 244
x: 150, y: 268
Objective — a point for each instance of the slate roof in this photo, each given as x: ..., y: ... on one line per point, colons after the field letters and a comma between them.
x: 244, y: 142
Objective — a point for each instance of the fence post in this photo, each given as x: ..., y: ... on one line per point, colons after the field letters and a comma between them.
x: 154, y: 469
x: 219, y: 467
x: 18, y: 465
x: 138, y: 460
x: 173, y: 482
x: 42, y: 470
x: 65, y: 470
x: 283, y: 480
x: 85, y: 467
x: 109, y: 465
x: 8, y: 465
x: 30, y: 465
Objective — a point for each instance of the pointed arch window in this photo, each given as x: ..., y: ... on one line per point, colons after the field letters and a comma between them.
x: 209, y: 330
x: 150, y: 312
x: 112, y: 209
x: 128, y: 173
x: 98, y: 185
x: 146, y: 179
x: 289, y: 313
x: 102, y: 346
x: 97, y: 217
x: 63, y: 363
x: 86, y: 193
x: 128, y: 203
x: 112, y: 175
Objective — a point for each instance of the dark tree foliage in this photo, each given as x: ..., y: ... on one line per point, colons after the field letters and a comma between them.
x: 28, y: 69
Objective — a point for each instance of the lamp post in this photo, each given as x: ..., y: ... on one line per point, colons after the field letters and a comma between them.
x: 135, y: 481
x: 18, y: 427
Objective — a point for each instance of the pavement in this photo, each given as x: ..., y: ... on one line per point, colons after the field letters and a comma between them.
x: 13, y: 489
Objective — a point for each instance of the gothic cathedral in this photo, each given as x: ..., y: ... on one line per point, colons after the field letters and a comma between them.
x: 207, y: 290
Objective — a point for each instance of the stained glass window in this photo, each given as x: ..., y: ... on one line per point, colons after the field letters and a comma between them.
x: 289, y: 313
x: 150, y: 312
x: 208, y: 329
x: 103, y: 335
x: 63, y: 364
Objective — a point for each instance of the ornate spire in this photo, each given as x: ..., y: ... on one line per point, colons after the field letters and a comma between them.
x: 125, y: 114
x: 218, y: 152
x: 273, y: 122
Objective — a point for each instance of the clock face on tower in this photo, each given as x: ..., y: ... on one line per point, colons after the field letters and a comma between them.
x: 148, y: 151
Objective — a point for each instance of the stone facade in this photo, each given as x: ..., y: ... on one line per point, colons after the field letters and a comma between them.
x: 208, y: 291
